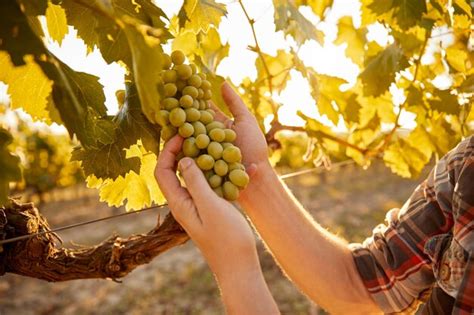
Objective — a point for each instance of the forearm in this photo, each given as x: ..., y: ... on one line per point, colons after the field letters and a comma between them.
x: 318, y: 262
x: 244, y: 290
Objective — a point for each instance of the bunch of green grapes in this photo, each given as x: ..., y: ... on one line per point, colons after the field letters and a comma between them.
x: 186, y: 111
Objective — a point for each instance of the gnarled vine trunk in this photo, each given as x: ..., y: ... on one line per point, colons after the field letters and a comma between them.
x: 43, y: 256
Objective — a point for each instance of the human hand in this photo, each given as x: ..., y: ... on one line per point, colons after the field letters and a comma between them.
x: 250, y: 138
x: 218, y: 229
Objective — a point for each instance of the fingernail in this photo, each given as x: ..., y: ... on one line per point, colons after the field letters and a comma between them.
x: 184, y: 163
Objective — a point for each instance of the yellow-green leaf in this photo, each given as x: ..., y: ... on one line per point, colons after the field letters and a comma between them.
x: 56, y: 22
x: 276, y: 66
x: 457, y: 58
x: 318, y: 6
x: 355, y: 39
x: 28, y: 87
x: 200, y: 14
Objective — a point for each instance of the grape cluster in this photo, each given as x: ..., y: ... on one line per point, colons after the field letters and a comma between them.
x: 185, y: 110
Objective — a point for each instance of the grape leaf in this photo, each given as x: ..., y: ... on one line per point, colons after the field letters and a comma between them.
x: 467, y: 86
x: 109, y: 161
x: 355, y: 39
x: 198, y: 15
x: 9, y: 164
x: 137, y: 190
x: 410, y: 41
x: 380, y: 70
x: 289, y: 20
x: 404, y: 159
x: 211, y: 49
x: 28, y: 87
x: 56, y: 22
x: 276, y: 67
x: 34, y: 8
x: 445, y: 102
x: 457, y: 58
x: 16, y: 36
x: 317, y: 6
x: 147, y: 65
x: 406, y: 13
x: 186, y: 41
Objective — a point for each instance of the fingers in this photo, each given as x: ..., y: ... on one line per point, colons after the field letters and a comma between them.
x: 220, y: 116
x: 234, y: 102
x: 196, y: 183
x: 165, y: 172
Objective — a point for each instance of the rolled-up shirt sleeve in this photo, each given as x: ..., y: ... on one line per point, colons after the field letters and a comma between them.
x: 417, y: 249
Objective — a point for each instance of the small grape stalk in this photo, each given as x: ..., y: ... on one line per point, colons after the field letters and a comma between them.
x: 185, y: 110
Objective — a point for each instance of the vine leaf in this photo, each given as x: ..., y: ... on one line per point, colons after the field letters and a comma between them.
x: 355, y: 39
x: 406, y: 13
x: 56, y: 22
x: 444, y: 102
x: 138, y: 190
x: 404, y: 159
x: 276, y: 66
x: 109, y: 160
x: 380, y: 70
x: 317, y: 6
x: 198, y: 15
x: 289, y: 20
x: 9, y: 164
x: 28, y: 87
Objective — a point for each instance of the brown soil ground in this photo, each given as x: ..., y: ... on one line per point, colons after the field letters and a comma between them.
x: 349, y: 202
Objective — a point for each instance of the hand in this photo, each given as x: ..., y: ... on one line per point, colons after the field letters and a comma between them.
x: 218, y: 229
x: 250, y: 138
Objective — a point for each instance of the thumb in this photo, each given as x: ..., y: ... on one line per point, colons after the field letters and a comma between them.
x: 195, y: 181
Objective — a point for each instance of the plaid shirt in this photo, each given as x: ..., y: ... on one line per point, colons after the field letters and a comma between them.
x: 425, y: 251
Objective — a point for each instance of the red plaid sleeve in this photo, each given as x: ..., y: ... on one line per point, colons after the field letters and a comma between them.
x: 426, y: 244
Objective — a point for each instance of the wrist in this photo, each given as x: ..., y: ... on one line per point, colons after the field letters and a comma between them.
x: 263, y: 179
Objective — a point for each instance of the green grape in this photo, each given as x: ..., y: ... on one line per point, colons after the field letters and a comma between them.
x: 202, y: 75
x: 207, y: 95
x: 215, y: 181
x: 170, y: 76
x: 214, y: 125
x: 205, y: 85
x: 202, y: 141
x: 239, y: 178
x: 167, y: 132
x: 200, y: 93
x: 170, y: 103
x: 186, y: 130
x: 186, y: 101
x: 236, y: 166
x: 211, y: 111
x: 189, y: 148
x: 163, y: 117
x: 196, y: 104
x: 205, y: 162
x: 217, y: 134
x: 190, y: 90
x: 184, y: 71
x: 192, y: 114
x: 170, y: 89
x: 199, y: 128
x: 180, y: 84
x: 231, y: 192
x: 202, y: 104
x: 195, y: 80
x: 226, y: 144
x: 208, y: 174
x: 177, y: 117
x: 166, y: 61
x: 177, y: 57
x: 221, y: 168
x: 219, y: 191
x: 206, y: 117
x: 215, y: 149
x: 230, y: 135
x: 232, y: 154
